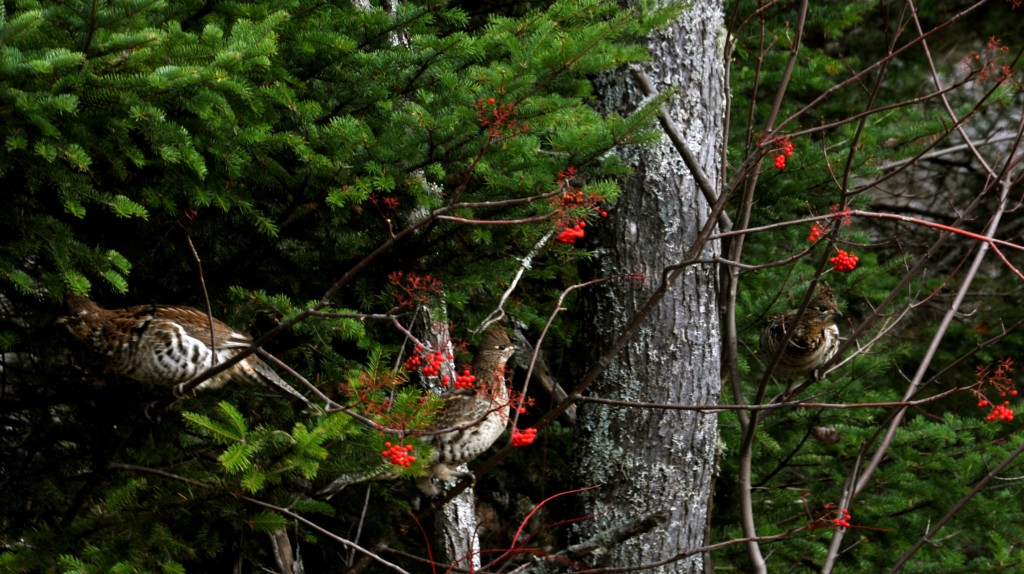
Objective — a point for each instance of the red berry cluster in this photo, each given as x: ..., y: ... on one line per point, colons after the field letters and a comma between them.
x: 843, y: 213
x: 844, y: 518
x: 413, y: 362
x: 499, y: 119
x: 573, y: 204
x: 571, y: 234
x: 844, y: 261
x: 993, y: 61
x: 996, y: 375
x: 999, y: 412
x: 398, y: 454
x: 825, y: 520
x: 413, y: 288
x: 787, y: 148
x: 429, y: 368
x: 519, y: 402
x: 576, y: 197
x: 817, y: 230
x: 523, y: 438
x: 466, y: 380
x: 388, y: 203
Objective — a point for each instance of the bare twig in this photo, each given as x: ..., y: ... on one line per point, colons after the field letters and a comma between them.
x: 206, y: 296
x: 537, y: 345
x: 956, y: 508
x: 524, y: 264
x: 349, y: 275
x: 691, y: 161
x: 278, y: 509
x: 772, y: 406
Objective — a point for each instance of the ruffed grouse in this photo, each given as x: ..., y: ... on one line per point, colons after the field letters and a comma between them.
x: 814, y: 340
x: 166, y: 345
x: 476, y: 417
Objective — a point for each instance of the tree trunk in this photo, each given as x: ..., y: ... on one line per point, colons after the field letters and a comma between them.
x: 649, y: 460
x: 456, y: 540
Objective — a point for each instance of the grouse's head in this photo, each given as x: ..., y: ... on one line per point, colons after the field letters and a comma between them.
x: 495, y: 346
x: 81, y: 312
x: 823, y: 306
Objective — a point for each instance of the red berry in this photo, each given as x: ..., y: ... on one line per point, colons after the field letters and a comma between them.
x: 523, y: 438
x: 844, y: 261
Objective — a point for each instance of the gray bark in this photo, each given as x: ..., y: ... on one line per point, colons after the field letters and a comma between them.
x: 647, y: 461
x: 288, y: 560
x: 456, y: 522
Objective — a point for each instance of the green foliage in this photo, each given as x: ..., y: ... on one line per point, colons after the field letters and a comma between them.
x: 944, y: 447
x: 283, y: 141
x: 268, y: 455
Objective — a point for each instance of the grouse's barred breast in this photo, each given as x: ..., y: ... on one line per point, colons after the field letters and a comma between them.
x: 814, y: 341
x: 476, y: 416
x: 487, y: 406
x: 166, y: 345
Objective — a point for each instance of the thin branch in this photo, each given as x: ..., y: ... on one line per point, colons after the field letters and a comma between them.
x: 275, y: 508
x: 829, y: 127
x: 537, y: 345
x: 859, y: 482
x: 359, y: 316
x: 206, y: 296
x: 712, y: 408
x: 534, y: 219
x: 691, y: 161
x: 703, y: 549
x: 895, y: 53
x: 524, y: 264
x: 956, y: 508
x: 324, y: 531
x: 349, y: 275
x: 874, y: 215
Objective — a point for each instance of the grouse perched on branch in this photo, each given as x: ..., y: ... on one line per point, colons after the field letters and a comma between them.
x: 814, y: 340
x: 476, y: 417
x: 166, y: 345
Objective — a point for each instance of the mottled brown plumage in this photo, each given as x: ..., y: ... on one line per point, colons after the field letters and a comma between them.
x: 485, y: 408
x: 814, y: 340
x: 166, y: 345
x: 476, y: 417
